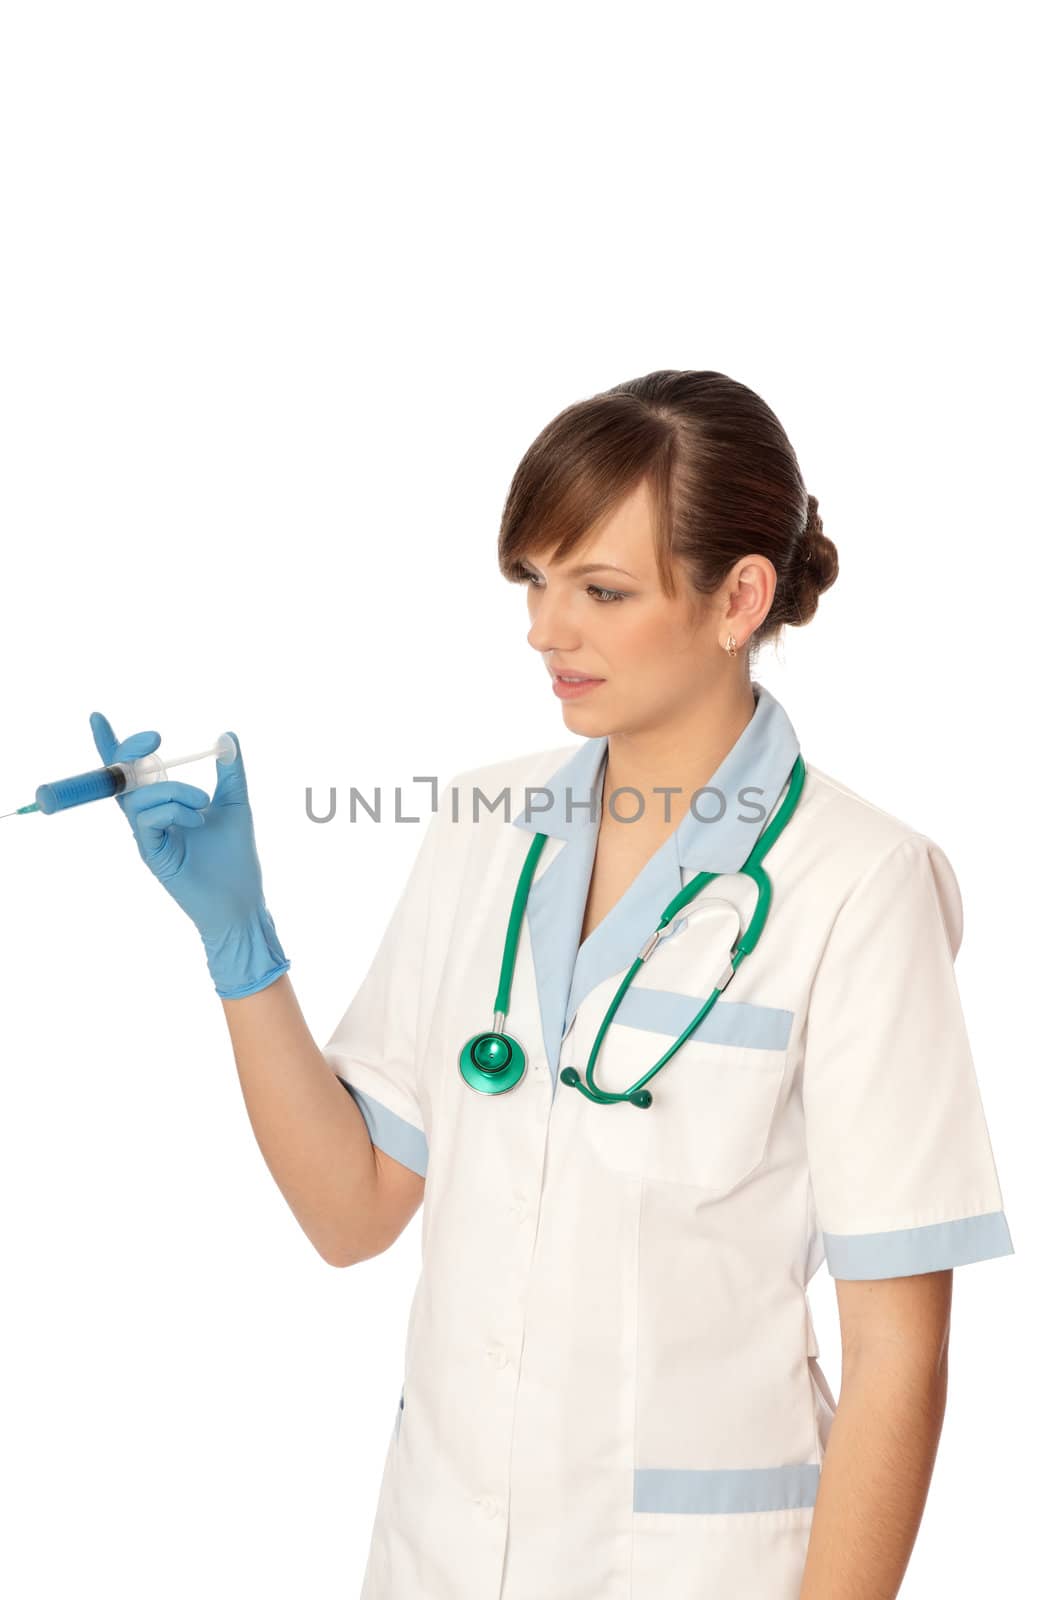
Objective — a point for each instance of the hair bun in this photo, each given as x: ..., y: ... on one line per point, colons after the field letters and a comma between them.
x: 818, y: 564
x: 813, y: 527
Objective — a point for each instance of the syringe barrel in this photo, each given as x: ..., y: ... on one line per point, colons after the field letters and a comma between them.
x: 122, y: 776
x: 95, y: 785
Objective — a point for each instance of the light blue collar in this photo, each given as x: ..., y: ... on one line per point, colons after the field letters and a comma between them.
x: 739, y: 798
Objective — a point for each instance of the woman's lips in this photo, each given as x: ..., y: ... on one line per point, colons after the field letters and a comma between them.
x: 572, y: 691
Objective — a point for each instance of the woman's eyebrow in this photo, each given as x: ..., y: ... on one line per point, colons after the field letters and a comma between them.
x: 595, y: 566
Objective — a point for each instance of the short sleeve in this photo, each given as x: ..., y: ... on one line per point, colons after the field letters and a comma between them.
x: 900, y: 1162
x: 373, y: 1049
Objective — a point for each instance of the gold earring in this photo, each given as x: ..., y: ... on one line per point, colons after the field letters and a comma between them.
x: 730, y: 645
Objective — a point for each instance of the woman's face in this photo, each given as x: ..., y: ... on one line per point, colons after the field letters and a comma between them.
x: 651, y: 656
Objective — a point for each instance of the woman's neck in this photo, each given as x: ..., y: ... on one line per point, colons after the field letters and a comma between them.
x: 682, y: 755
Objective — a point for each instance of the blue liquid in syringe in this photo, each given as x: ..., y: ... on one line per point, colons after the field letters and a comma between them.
x: 84, y: 786
x: 104, y: 782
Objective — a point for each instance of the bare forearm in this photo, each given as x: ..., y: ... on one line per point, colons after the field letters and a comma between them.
x: 875, y: 1476
x: 312, y: 1135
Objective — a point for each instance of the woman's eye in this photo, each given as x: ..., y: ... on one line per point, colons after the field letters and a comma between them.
x: 601, y: 596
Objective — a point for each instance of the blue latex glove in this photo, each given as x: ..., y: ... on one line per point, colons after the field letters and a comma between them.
x: 202, y: 851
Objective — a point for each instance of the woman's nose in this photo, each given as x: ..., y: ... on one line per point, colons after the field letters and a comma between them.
x: 549, y: 629
x: 546, y: 637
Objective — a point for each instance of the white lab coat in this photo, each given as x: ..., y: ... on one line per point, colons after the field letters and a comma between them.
x: 610, y: 1376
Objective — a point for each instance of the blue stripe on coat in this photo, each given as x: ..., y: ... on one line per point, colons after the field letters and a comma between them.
x: 690, y: 1490
x: 729, y: 1022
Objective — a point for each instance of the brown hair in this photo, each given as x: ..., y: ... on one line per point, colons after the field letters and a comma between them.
x: 722, y: 474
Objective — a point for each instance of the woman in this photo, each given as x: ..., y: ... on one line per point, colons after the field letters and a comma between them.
x: 611, y: 1386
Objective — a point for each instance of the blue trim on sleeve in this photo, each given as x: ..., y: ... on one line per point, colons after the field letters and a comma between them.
x: 390, y: 1132
x: 902, y: 1251
x: 688, y: 1490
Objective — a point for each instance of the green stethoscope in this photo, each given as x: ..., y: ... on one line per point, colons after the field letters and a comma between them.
x: 493, y: 1062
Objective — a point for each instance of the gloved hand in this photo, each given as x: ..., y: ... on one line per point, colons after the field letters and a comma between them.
x: 202, y: 851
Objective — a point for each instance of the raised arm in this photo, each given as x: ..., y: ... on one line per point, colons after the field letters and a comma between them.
x: 351, y: 1199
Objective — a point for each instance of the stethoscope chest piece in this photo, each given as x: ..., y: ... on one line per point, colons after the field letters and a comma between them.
x: 492, y: 1062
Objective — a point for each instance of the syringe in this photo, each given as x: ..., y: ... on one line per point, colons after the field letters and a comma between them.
x: 119, y: 778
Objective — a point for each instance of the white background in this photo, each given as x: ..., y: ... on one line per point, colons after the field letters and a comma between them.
x: 287, y: 290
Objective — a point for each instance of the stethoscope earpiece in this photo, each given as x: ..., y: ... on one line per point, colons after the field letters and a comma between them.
x: 636, y: 1097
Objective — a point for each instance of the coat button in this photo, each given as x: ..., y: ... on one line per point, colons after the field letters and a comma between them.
x: 496, y: 1354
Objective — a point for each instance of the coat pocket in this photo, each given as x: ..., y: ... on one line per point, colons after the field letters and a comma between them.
x: 713, y: 1101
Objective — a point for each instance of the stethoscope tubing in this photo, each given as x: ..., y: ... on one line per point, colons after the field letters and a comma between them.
x: 738, y: 955
x: 497, y: 1043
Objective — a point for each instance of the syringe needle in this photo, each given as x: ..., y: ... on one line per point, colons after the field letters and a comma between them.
x: 20, y: 812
